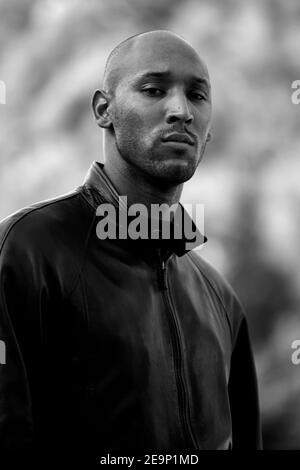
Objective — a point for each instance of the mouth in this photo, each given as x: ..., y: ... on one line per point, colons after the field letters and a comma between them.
x: 179, y: 137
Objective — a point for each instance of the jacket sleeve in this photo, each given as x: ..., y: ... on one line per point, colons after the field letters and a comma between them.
x: 16, y: 286
x: 243, y: 393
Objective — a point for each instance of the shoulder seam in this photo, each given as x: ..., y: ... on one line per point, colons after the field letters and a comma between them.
x: 217, y: 295
x: 30, y: 210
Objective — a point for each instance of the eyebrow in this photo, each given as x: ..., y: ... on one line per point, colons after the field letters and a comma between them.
x: 166, y: 75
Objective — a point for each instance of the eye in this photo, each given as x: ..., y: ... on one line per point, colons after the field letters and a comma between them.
x: 195, y: 95
x: 152, y: 91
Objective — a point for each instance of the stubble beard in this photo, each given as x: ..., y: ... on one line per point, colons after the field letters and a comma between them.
x: 148, y: 161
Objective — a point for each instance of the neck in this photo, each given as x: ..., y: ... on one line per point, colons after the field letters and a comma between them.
x: 134, y: 184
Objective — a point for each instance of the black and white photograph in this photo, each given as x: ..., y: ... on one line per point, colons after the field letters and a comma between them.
x: 149, y: 229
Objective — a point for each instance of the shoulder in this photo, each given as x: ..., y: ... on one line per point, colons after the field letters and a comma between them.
x: 223, y: 292
x: 36, y: 225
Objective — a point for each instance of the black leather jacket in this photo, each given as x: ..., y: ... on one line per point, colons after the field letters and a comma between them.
x: 116, y: 344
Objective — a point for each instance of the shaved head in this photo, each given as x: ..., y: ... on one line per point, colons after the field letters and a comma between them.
x: 116, y: 64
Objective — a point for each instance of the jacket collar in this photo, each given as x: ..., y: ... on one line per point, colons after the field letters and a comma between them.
x: 102, y: 189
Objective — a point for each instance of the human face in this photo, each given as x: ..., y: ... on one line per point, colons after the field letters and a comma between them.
x: 161, y: 109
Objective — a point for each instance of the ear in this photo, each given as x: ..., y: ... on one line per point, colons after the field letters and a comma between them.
x: 100, y: 102
x: 209, y: 136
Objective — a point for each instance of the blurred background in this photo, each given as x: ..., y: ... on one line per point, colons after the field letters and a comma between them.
x: 52, y: 55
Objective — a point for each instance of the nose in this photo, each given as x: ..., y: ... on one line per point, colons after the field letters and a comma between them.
x: 178, y: 109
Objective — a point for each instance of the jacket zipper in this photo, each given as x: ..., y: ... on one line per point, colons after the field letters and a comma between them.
x: 178, y: 359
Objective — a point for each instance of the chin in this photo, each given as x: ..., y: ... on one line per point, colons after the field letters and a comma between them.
x: 176, y: 173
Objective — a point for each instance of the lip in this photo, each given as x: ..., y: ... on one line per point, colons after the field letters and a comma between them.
x: 180, y: 137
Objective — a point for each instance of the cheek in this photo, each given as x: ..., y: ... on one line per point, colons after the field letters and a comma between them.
x: 125, y: 116
x: 134, y: 116
x: 205, y: 119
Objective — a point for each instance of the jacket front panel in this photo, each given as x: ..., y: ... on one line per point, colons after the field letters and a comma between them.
x: 132, y: 344
x: 207, y: 344
x: 129, y: 353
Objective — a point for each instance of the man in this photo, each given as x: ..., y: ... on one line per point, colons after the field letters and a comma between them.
x: 117, y: 343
